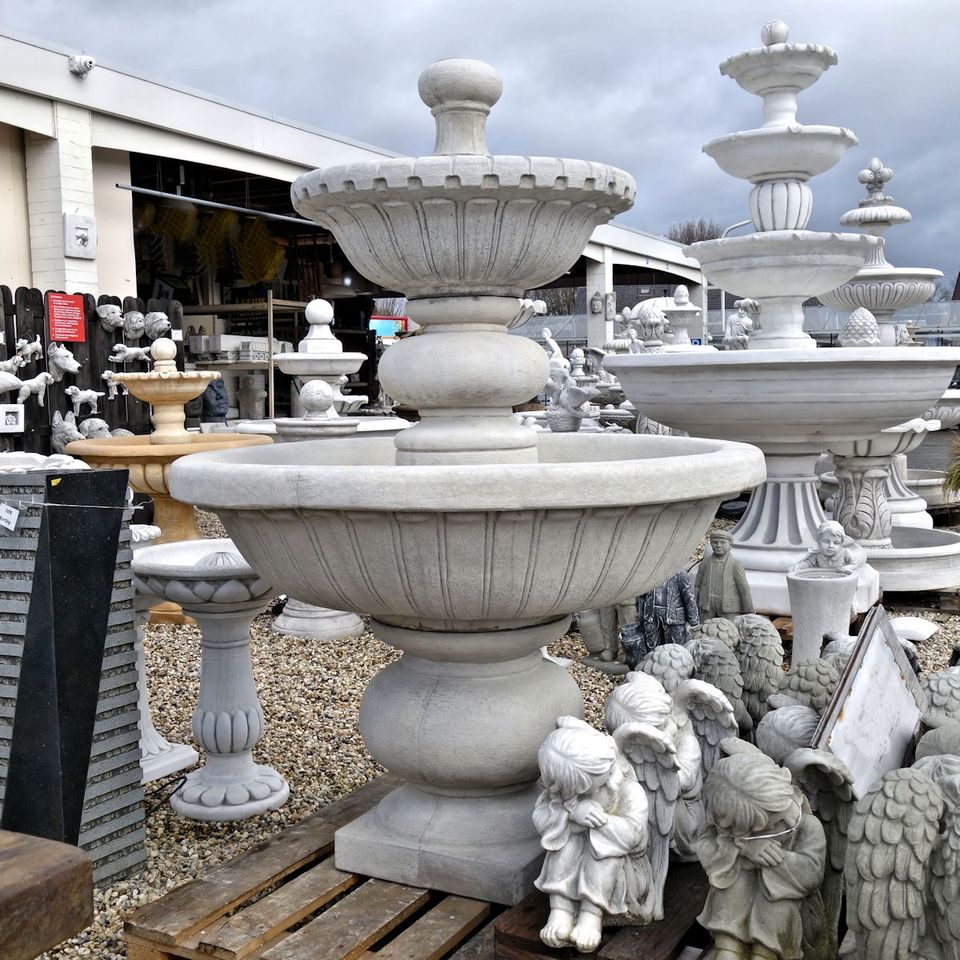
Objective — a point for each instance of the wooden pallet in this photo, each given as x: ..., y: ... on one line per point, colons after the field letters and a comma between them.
x: 943, y: 601
x: 517, y: 930
x: 285, y: 900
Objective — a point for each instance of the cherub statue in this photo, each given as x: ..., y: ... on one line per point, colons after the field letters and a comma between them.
x: 554, y: 352
x: 764, y: 854
x: 903, y: 865
x: 738, y: 326
x: 834, y: 551
x: 715, y: 663
x: 760, y: 653
x: 671, y: 739
x: 721, y: 585
x: 565, y: 411
x: 592, y: 820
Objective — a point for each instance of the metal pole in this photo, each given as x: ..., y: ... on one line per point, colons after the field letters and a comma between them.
x: 271, y: 398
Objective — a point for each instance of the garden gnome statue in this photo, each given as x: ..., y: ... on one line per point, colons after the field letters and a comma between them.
x: 664, y: 615
x: 721, y: 586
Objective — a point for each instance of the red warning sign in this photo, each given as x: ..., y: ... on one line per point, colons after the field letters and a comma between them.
x: 65, y: 320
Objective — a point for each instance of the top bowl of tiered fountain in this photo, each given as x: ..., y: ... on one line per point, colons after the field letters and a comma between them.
x: 462, y: 222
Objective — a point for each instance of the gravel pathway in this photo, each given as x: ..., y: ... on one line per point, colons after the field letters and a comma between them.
x: 311, y: 697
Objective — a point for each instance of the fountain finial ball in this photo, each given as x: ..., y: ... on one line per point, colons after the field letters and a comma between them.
x: 163, y: 349
x: 319, y: 312
x: 460, y: 80
x: 776, y: 31
x: 317, y: 398
x: 460, y: 94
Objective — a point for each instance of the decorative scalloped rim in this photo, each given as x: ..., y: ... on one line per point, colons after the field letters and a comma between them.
x: 778, y: 49
x: 459, y: 172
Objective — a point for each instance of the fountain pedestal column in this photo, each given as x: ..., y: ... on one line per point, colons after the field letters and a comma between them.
x: 777, y: 529
x: 216, y: 587
x: 862, y: 505
x: 496, y: 698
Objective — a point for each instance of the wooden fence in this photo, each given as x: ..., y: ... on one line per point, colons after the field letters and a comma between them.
x: 24, y: 317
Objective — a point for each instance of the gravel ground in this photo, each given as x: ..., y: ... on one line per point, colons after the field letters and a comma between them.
x: 311, y: 696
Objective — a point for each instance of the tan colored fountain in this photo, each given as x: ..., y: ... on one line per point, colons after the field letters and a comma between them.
x: 148, y: 458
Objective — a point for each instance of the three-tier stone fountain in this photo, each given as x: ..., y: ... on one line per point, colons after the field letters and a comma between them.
x: 469, y: 538
x: 782, y: 394
x: 910, y: 554
x: 148, y: 458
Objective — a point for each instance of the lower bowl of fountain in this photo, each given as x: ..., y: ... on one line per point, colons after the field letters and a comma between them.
x: 787, y: 400
x: 884, y: 289
x: 149, y: 463
x: 782, y: 263
x: 474, y: 547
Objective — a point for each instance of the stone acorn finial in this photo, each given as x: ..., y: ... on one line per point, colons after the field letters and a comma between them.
x: 460, y: 93
x: 776, y: 31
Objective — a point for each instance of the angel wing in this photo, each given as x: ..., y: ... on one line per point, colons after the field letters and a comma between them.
x: 890, y: 838
x: 670, y: 663
x: 811, y: 683
x: 943, y: 689
x: 717, y: 664
x: 711, y: 716
x: 943, y: 906
x: 828, y: 786
x: 760, y: 653
x: 574, y: 397
x: 653, y: 756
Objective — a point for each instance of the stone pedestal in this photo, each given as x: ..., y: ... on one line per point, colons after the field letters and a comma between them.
x: 222, y: 593
x: 822, y: 602
x: 301, y: 619
x: 461, y: 722
x: 158, y: 757
x: 779, y: 526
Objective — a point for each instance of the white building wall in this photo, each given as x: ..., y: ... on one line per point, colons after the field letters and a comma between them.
x: 15, y: 230
x: 59, y: 181
x: 116, y: 255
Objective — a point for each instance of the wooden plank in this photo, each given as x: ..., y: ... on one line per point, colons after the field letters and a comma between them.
x: 46, y: 894
x: 478, y: 947
x: 358, y: 921
x: 251, y: 928
x: 140, y: 951
x: 437, y: 931
x: 517, y: 931
x: 197, y: 903
x: 684, y: 896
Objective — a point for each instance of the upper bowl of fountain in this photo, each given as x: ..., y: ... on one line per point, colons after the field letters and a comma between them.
x: 462, y: 222
x: 777, y: 65
x: 165, y: 384
x: 782, y: 263
x: 794, y: 152
x: 320, y: 353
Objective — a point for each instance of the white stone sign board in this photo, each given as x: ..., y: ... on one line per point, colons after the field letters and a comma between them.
x: 876, y: 709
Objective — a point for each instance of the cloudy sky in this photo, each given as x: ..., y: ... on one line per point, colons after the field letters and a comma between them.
x: 631, y: 82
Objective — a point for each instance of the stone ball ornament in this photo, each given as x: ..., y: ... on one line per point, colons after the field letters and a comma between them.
x: 776, y: 31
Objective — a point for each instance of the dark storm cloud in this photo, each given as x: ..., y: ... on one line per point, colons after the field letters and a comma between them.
x: 633, y: 83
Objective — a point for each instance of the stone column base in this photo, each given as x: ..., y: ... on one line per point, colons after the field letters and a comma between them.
x: 497, y: 858
x: 300, y: 619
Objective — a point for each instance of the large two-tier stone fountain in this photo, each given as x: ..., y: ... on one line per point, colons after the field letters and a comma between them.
x: 793, y: 401
x: 468, y: 537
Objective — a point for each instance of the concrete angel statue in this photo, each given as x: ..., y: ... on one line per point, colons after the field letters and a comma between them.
x: 764, y: 853
x: 672, y: 741
x: 903, y: 865
x: 592, y: 818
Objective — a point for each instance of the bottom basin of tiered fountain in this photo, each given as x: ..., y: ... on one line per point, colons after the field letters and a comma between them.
x: 600, y: 518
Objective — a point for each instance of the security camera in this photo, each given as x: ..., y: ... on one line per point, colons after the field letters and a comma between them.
x: 81, y: 65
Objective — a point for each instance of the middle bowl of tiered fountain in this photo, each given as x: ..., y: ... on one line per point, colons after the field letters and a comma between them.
x: 468, y: 537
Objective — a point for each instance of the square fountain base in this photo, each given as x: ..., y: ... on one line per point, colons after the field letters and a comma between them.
x: 476, y: 867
